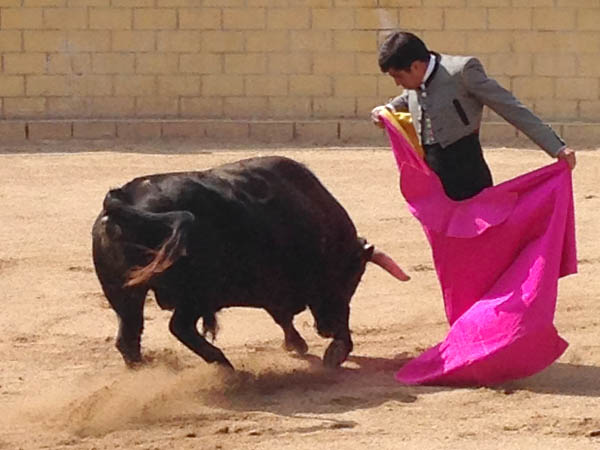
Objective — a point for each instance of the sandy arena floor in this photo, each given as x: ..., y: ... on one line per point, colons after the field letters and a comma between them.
x: 63, y: 385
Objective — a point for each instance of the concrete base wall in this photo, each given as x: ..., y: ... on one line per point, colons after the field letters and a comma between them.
x: 290, y: 132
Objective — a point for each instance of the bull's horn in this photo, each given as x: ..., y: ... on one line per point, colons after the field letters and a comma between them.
x: 387, y: 263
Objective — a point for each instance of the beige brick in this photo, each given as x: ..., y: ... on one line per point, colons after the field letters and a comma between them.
x: 582, y: 135
x: 577, y: 88
x: 266, y: 85
x: 202, y: 63
x: 271, y: 132
x: 510, y: 64
x: 133, y: 41
x: 355, y: 41
x: 142, y: 129
x: 154, y: 19
x: 88, y: 41
x: 245, y: 107
x: 446, y: 41
x: 157, y: 106
x: 578, y: 3
x: 299, y: 107
x: 333, y: 19
x: 288, y: 18
x: 355, y: 3
x: 228, y: 131
x: 269, y: 3
x: 589, y: 110
x: 578, y: 42
x: 112, y: 106
x: 84, y: 3
x: 10, y: 41
x: 36, y: 3
x: 51, y: 130
x: 588, y: 65
x: 132, y: 3
x: 28, y: 63
x: 267, y: 41
x: 113, y: 63
x: 554, y: 65
x: 65, y: 18
x: 202, y: 107
x: 489, y: 3
x: 554, y: 19
x: 181, y: 3
x: 366, y: 63
x: 200, y: 18
x: 328, y: 107
x: 532, y: 3
x: 310, y: 3
x: 481, y: 42
x: 45, y: 41
x: 465, y: 19
x: 245, y: 63
x: 223, y: 41
x: 296, y: 63
x: 422, y: 18
x: 41, y: 85
x: 364, y: 105
x: 244, y: 19
x: 317, y: 132
x: 312, y: 40
x: 377, y: 18
x: 90, y: 85
x: 24, y: 107
x: 405, y: 3
x: 84, y: 129
x: 146, y: 63
x: 110, y: 18
x: 224, y: 3
x: 226, y: 85
x: 510, y: 18
x: 553, y: 109
x: 588, y: 19
x: 69, y: 107
x: 61, y: 63
x: 354, y: 85
x: 386, y: 88
x: 10, y: 3
x: 445, y: 3
x: 362, y: 132
x: 310, y: 85
x: 174, y: 85
x: 135, y: 85
x: 179, y: 41
x: 184, y: 129
x: 533, y: 87
x: 12, y: 130
x: 534, y: 42
x: 498, y: 133
x: 22, y: 18
x: 331, y: 63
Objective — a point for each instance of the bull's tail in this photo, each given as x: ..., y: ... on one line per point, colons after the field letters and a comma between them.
x: 169, y: 251
x: 386, y: 262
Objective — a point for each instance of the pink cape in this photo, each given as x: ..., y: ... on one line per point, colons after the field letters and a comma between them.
x: 498, y: 257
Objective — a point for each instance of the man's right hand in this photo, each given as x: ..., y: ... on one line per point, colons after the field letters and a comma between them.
x: 375, y: 115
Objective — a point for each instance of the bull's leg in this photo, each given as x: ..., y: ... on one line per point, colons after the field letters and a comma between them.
x: 293, y: 341
x: 129, y: 306
x: 183, y: 326
x: 332, y: 321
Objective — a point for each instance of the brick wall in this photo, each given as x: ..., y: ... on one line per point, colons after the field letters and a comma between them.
x: 279, y: 59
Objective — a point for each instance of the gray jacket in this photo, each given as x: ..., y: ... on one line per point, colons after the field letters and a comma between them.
x: 454, y: 97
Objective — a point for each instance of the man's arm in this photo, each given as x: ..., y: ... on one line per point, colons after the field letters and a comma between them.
x: 492, y: 94
x: 399, y: 103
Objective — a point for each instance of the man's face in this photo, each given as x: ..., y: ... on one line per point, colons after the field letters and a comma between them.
x: 410, y: 78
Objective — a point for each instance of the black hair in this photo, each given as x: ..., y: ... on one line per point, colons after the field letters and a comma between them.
x: 400, y: 49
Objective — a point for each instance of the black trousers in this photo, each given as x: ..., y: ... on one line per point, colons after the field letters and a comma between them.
x: 460, y: 166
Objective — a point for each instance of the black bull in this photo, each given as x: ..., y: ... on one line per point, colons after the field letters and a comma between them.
x: 261, y: 232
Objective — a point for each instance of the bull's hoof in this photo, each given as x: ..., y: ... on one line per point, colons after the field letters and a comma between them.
x: 336, y: 354
x: 300, y: 346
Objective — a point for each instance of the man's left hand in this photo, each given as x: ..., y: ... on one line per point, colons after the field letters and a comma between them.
x: 568, y: 154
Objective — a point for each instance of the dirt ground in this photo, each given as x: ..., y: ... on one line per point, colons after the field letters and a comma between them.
x: 63, y: 385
